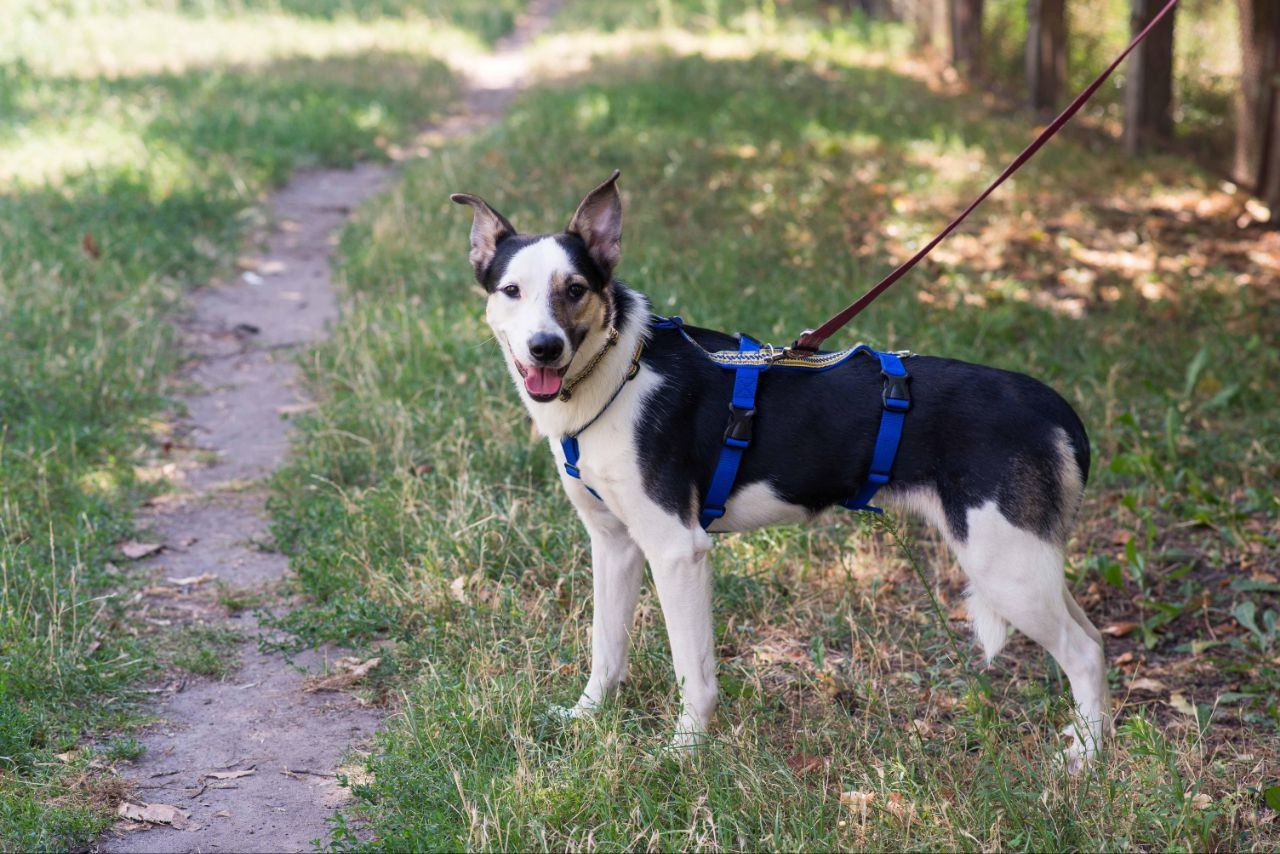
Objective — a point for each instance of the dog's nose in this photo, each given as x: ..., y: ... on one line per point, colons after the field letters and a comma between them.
x: 546, y: 347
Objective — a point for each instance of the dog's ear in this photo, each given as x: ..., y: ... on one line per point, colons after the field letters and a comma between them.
x: 488, y: 229
x: 598, y: 221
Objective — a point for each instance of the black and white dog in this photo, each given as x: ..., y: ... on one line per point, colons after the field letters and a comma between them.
x: 995, y: 460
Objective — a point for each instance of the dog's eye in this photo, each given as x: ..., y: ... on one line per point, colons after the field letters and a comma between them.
x: 512, y: 291
x: 575, y: 291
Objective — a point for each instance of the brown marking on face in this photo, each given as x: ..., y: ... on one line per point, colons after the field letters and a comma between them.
x: 578, y: 317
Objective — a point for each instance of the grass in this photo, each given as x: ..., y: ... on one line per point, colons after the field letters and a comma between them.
x: 137, y: 141
x: 794, y: 166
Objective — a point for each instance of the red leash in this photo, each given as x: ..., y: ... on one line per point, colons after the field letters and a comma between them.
x: 811, y: 339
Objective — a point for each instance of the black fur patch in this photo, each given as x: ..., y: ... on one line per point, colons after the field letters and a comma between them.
x: 974, y: 434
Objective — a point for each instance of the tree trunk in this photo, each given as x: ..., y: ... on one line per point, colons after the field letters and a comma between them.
x: 966, y: 36
x: 1257, y: 161
x: 928, y: 20
x: 1148, y: 88
x: 1046, y: 51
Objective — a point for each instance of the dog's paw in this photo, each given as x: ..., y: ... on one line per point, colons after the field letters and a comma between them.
x: 1079, y: 754
x: 687, y: 740
x: 580, y: 710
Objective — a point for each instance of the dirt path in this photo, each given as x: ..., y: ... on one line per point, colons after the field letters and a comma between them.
x: 244, y: 338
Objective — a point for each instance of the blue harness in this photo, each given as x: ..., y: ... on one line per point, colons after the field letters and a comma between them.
x: 747, y: 363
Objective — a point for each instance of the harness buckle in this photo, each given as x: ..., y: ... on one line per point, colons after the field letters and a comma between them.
x: 896, y: 394
x: 737, y: 434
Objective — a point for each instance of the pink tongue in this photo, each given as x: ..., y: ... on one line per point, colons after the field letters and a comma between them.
x: 542, y: 381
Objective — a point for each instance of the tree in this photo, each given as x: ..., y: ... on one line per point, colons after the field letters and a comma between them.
x: 928, y: 20
x: 1257, y: 160
x: 1046, y: 51
x: 1148, y: 88
x: 966, y: 36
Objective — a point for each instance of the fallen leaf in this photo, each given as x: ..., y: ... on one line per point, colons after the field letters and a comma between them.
x: 1202, y: 801
x: 272, y: 268
x: 155, y: 814
x: 857, y: 799
x: 1151, y: 686
x: 900, y: 806
x: 457, y: 589
x: 1121, y: 629
x: 230, y: 775
x: 1123, y: 659
x: 801, y: 764
x: 222, y: 814
x: 192, y: 580
x: 65, y: 757
x: 136, y: 551
x: 1179, y: 701
x: 295, y: 408
x: 90, y: 246
x: 348, y: 671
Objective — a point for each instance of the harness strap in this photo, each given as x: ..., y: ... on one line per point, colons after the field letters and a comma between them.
x: 737, y: 435
x: 896, y: 399
x: 569, y: 444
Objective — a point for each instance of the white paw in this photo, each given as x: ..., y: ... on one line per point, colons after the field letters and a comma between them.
x: 1080, y: 753
x: 580, y: 710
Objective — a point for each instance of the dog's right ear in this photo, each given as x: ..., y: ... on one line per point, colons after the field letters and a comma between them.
x: 488, y: 229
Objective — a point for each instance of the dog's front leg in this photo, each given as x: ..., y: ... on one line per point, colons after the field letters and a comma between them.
x: 682, y: 576
x: 617, y: 567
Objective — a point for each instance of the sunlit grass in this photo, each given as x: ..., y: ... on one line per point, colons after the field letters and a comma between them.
x: 137, y: 143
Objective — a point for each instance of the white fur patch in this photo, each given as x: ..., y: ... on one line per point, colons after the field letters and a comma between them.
x: 532, y: 269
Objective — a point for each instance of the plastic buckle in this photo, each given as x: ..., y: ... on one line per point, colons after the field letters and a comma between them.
x: 572, y: 470
x: 738, y: 433
x: 896, y: 394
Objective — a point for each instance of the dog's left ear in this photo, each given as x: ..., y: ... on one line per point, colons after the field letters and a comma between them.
x: 488, y: 229
x: 598, y: 221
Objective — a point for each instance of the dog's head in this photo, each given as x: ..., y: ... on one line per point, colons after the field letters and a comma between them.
x: 548, y: 293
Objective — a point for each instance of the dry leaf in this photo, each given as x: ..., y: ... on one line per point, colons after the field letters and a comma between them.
x: 192, y: 580
x: 801, y: 764
x: 1179, y: 701
x: 155, y: 814
x: 272, y: 268
x: 135, y: 550
x: 856, y: 799
x: 1123, y: 659
x: 900, y: 806
x: 1121, y: 629
x: 65, y: 757
x: 1202, y: 801
x: 348, y: 671
x: 230, y: 775
x: 222, y: 814
x: 457, y: 589
x: 1151, y: 686
x: 90, y: 246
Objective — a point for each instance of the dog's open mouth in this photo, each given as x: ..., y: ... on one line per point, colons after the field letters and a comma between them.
x: 542, y: 384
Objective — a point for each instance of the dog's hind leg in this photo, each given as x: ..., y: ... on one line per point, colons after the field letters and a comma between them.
x: 617, y: 568
x: 1018, y: 577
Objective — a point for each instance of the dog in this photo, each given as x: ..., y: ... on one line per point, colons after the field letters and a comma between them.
x: 636, y: 415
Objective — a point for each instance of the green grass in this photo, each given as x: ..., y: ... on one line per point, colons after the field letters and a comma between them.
x: 789, y: 171
x: 128, y: 178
